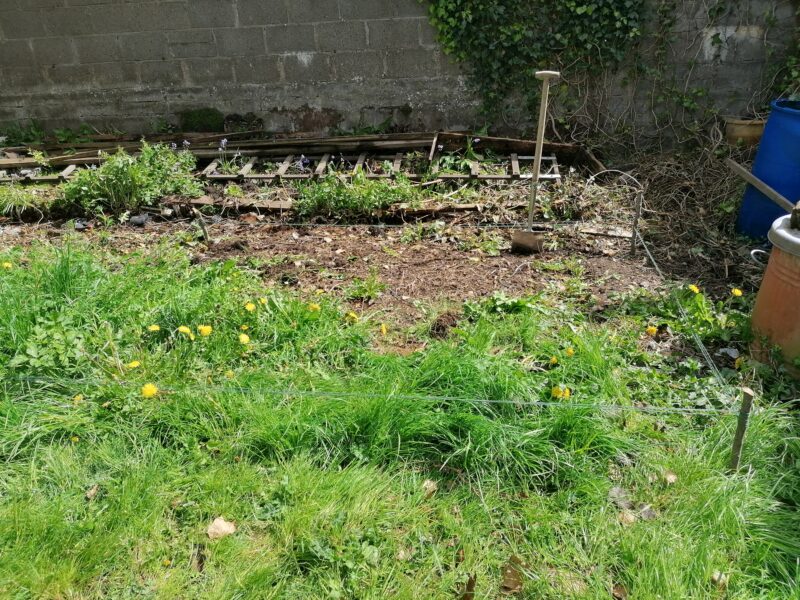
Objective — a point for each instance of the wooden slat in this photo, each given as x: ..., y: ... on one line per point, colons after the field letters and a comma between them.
x: 515, y: 165
x: 210, y: 168
x: 398, y: 160
x: 322, y: 166
x: 248, y: 167
x: 434, y: 145
x: 360, y: 163
x: 474, y: 169
x: 67, y: 172
x: 287, y: 162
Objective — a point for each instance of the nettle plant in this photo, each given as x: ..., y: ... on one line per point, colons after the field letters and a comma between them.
x: 504, y: 42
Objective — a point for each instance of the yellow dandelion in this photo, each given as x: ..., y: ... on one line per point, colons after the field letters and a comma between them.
x: 154, y: 328
x: 553, y: 360
x: 570, y: 351
x: 74, y: 439
x: 262, y: 301
x: 384, y: 329
x: 77, y: 399
x: 134, y: 364
x: 560, y: 391
x: 651, y: 330
x: 314, y: 307
x: 186, y: 331
x: 244, y: 339
x: 320, y: 291
x: 205, y: 330
x: 351, y: 317
x: 244, y: 327
x: 249, y: 307
x: 149, y: 390
x: 106, y: 404
x: 7, y: 265
x: 166, y: 562
x: 230, y: 374
x: 737, y: 292
x: 694, y: 289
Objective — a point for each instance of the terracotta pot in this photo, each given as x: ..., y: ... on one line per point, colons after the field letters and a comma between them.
x: 743, y: 131
x: 776, y: 318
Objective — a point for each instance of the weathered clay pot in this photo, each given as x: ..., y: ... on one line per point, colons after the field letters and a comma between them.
x: 747, y: 132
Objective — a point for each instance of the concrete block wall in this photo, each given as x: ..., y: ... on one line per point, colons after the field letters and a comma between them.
x: 307, y: 65
x: 297, y: 64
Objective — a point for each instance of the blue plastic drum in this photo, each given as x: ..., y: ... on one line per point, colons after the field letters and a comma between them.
x: 778, y: 165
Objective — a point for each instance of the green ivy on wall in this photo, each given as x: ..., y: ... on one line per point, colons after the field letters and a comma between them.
x: 502, y: 43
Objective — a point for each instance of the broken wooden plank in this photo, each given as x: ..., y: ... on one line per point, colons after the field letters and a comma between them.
x: 515, y: 165
x: 322, y: 166
x: 360, y: 163
x: 434, y: 145
x: 210, y: 168
x: 287, y: 162
x: 398, y: 161
x: 245, y: 170
x: 66, y: 173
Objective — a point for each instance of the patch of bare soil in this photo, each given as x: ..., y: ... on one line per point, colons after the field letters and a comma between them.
x: 411, y: 277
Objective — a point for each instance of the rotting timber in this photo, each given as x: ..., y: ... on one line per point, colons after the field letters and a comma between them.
x: 415, y: 156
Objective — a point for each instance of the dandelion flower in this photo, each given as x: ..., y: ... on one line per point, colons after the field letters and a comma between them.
x: 244, y: 327
x: 186, y: 331
x: 7, y: 265
x: 74, y: 439
x: 553, y: 360
x: 149, y: 390
x: 651, y: 330
x: 384, y: 329
x: 230, y: 374
x: 134, y: 364
x: 736, y: 292
x: 570, y: 351
x: 560, y: 391
x: 320, y: 291
x: 166, y: 562
x: 77, y: 399
x: 154, y: 328
x: 262, y: 301
x: 106, y: 404
x: 694, y: 289
x: 351, y: 317
x: 249, y: 307
x: 204, y: 330
x: 244, y: 339
x: 314, y: 307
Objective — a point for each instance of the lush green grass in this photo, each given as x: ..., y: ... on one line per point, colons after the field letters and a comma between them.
x: 317, y: 442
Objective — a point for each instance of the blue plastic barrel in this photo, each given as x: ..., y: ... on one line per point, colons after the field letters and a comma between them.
x: 778, y: 165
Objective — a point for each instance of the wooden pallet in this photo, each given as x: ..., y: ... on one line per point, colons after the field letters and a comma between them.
x: 343, y: 156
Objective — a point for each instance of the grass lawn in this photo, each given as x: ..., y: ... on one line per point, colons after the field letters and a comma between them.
x: 144, y: 396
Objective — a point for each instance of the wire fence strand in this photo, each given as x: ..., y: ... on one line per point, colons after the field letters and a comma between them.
x: 344, y: 394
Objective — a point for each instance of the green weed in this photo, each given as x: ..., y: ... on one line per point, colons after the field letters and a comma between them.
x: 337, y: 199
x: 126, y: 183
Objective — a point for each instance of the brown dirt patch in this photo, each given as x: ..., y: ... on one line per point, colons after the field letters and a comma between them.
x: 418, y: 277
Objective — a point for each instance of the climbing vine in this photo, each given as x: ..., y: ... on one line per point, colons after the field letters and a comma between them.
x: 502, y: 43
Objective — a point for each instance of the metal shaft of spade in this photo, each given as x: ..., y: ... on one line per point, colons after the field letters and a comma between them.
x: 546, y: 77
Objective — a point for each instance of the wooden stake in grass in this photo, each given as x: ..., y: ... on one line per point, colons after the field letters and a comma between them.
x: 741, y: 428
